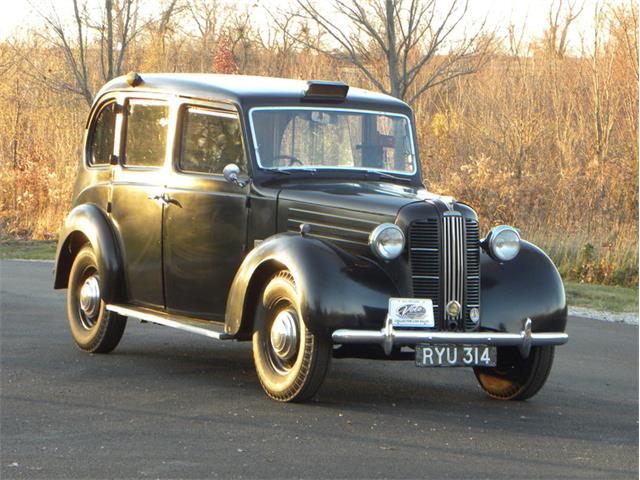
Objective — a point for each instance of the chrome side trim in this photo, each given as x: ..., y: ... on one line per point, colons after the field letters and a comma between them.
x: 389, y: 337
x: 342, y: 217
x: 334, y: 239
x: 168, y: 322
x: 326, y: 225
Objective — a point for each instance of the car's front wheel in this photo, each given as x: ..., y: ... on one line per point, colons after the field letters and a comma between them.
x: 290, y: 360
x: 514, y: 377
x: 94, y: 329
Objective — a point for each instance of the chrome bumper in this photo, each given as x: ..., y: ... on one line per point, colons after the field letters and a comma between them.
x: 389, y: 337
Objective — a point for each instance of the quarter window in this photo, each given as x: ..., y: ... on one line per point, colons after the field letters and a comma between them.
x: 147, y: 125
x: 210, y: 140
x: 101, y: 144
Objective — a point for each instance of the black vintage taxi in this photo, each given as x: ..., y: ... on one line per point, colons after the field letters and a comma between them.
x: 292, y: 214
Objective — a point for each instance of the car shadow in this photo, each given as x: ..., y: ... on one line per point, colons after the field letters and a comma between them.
x: 396, y: 390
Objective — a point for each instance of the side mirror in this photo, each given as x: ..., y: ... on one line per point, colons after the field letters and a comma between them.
x: 231, y: 173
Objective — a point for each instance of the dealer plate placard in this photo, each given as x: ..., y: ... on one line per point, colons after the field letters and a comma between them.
x: 411, y: 312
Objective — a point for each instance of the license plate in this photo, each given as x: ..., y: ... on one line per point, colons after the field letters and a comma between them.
x: 411, y: 312
x: 456, y: 356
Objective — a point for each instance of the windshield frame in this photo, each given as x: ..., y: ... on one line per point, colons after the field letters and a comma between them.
x: 314, y: 168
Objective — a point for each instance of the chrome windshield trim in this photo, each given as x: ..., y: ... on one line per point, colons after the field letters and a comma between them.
x: 314, y: 168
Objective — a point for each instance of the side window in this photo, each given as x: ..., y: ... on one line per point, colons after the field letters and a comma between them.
x: 102, y: 132
x: 210, y: 140
x: 147, y: 125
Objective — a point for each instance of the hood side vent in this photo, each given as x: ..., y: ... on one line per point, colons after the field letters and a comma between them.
x: 337, y: 227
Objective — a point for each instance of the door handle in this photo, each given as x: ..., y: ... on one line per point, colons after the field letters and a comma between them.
x: 171, y: 201
x: 165, y: 199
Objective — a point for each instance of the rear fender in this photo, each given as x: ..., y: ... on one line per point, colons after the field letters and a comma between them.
x: 87, y: 223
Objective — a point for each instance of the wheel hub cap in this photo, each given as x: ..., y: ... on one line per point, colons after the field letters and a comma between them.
x: 90, y: 296
x: 284, y: 334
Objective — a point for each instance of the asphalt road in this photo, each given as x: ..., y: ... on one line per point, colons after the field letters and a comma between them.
x: 170, y: 404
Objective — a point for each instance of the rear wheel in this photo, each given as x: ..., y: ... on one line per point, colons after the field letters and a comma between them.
x: 93, y: 328
x: 291, y: 362
x: 516, y: 378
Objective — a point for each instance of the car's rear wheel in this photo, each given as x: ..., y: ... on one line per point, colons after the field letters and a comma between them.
x: 514, y: 377
x: 290, y: 360
x: 93, y: 328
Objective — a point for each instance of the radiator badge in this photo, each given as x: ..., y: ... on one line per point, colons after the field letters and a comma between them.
x: 453, y: 308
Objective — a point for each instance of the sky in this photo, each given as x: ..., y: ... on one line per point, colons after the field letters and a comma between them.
x: 500, y: 13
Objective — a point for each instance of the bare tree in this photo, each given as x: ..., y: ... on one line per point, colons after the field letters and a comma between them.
x: 280, y: 43
x: 604, y: 104
x: 206, y: 15
x: 240, y: 33
x: 161, y: 28
x: 559, y: 20
x: 113, y: 32
x: 626, y: 28
x: 419, y: 45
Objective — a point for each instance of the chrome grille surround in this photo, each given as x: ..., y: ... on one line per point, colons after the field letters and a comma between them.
x: 445, y: 266
x: 453, y: 260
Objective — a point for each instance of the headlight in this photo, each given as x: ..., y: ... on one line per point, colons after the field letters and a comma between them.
x: 503, y: 243
x: 387, y: 241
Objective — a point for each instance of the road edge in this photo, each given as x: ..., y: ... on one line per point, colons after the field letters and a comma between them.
x: 610, y: 317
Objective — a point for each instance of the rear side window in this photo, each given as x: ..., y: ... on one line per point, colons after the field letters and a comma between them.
x: 147, y: 125
x: 210, y: 140
x: 101, y: 143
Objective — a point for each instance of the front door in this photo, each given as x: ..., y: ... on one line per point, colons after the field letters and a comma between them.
x: 205, y: 216
x: 137, y: 204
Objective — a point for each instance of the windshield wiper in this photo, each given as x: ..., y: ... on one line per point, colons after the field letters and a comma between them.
x: 389, y: 175
x: 289, y: 170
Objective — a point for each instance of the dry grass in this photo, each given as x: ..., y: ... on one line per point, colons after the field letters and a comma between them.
x: 546, y: 143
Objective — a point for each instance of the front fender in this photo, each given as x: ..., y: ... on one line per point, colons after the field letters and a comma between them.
x: 88, y: 223
x: 337, y: 289
x: 527, y: 286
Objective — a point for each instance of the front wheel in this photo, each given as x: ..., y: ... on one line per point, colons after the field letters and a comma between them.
x: 291, y: 362
x: 514, y: 377
x: 94, y: 329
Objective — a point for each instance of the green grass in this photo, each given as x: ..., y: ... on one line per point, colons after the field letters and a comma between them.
x: 598, y: 297
x: 28, y: 249
x: 602, y: 297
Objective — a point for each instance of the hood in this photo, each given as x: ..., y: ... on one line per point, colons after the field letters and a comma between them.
x: 346, y: 212
x: 378, y: 198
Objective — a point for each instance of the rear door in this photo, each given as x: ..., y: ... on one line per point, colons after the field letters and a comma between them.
x: 205, y: 219
x: 137, y: 197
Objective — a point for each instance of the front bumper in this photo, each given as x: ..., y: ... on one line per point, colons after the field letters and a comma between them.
x: 389, y: 337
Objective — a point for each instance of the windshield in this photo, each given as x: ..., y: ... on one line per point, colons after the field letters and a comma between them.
x: 290, y: 138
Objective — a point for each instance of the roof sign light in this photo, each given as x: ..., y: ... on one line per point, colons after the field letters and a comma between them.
x: 326, y: 90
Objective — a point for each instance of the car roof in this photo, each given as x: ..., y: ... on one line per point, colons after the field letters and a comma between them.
x: 244, y: 90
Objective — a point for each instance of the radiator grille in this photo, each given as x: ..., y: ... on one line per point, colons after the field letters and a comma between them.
x: 472, y: 287
x: 424, y: 241
x: 445, y: 265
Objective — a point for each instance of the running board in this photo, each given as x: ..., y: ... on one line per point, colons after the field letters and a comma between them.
x: 200, y: 327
